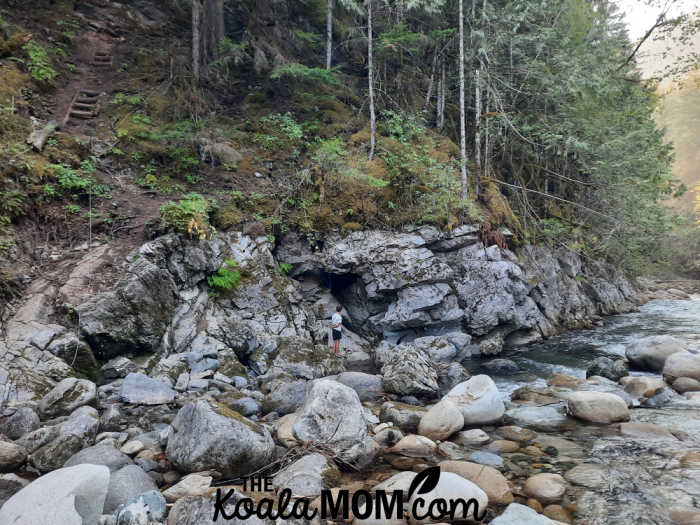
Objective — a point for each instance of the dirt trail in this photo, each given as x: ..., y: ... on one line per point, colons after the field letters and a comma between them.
x: 77, y: 103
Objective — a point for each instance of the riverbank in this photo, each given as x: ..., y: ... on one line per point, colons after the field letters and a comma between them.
x: 176, y: 386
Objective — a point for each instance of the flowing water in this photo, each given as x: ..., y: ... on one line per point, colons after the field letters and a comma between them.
x: 644, y: 478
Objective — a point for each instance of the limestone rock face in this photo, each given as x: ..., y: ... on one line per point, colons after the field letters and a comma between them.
x: 208, y: 436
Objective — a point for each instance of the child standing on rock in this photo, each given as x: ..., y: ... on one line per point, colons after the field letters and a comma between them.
x: 336, y: 329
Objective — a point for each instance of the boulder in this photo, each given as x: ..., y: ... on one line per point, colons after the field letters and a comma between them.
x: 55, y: 453
x: 117, y: 368
x: 139, y: 389
x: 66, y: 396
x: 682, y: 364
x: 500, y: 367
x: 598, y: 407
x: 478, y: 399
x: 190, y: 485
x: 10, y: 484
x: 146, y: 508
x: 367, y: 386
x: 516, y: 514
x: 208, y: 436
x: 441, y: 421
x: 17, y: 422
x: 642, y: 386
x: 286, y: 397
x: 100, y: 454
x: 516, y: 433
x: 545, y: 488
x: 450, y: 375
x: 333, y: 416
x: 645, y: 431
x: 589, y: 475
x: 683, y: 385
x: 450, y: 487
x: 606, y: 367
x: 408, y: 371
x: 471, y: 438
x: 401, y: 481
x: 415, y: 447
x: 487, y: 478
x: 284, y: 430
x: 406, y: 417
x: 650, y: 353
x: 124, y: 484
x: 12, y: 456
x: 307, y: 476
x: 68, y: 496
x: 296, y: 357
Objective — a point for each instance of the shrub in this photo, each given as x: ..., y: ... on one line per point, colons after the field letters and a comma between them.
x: 227, y: 277
x: 302, y: 73
x: 329, y: 153
x: 189, y: 215
x: 39, y: 64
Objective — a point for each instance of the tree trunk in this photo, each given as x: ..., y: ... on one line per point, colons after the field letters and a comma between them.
x: 372, y: 116
x: 196, y: 38
x: 462, y: 116
x: 329, y: 34
x: 477, y: 123
x: 441, y: 104
x: 433, y: 70
x: 486, y: 132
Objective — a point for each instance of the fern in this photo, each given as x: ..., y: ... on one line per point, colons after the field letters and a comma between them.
x: 227, y: 277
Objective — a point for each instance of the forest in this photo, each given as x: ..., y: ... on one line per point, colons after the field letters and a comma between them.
x: 312, y: 115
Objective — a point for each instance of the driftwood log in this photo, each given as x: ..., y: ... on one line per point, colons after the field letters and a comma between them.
x: 38, y: 137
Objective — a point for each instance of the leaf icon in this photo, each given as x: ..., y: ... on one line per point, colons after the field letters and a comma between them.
x: 425, y: 481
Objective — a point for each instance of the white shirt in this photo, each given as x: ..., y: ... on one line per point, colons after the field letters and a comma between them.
x: 336, y: 321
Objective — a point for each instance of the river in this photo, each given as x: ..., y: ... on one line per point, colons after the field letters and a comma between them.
x: 630, y: 480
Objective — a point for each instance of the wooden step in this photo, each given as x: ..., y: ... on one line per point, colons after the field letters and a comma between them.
x: 88, y: 93
x: 84, y: 106
x: 84, y: 115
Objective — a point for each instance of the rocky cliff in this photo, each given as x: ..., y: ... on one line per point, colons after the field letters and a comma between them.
x: 396, y: 288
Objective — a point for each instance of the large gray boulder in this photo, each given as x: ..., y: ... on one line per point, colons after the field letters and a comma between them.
x: 650, y: 353
x: 12, y: 456
x: 17, y: 422
x: 367, y: 386
x: 606, y: 367
x: 296, y: 357
x: 598, y: 407
x: 517, y: 514
x: 333, y: 416
x: 68, y: 496
x: 408, y: 371
x: 100, y: 454
x: 308, y: 476
x: 682, y: 364
x: 478, y: 399
x: 208, y: 436
x: 124, y: 484
x: 140, y: 389
x: 285, y: 397
x: 66, y: 396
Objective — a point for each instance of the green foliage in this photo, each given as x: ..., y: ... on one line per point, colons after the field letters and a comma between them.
x: 285, y: 267
x: 301, y: 73
x: 329, y: 153
x: 39, y: 63
x: 227, y: 277
x: 189, y: 215
x: 285, y: 124
x: 402, y: 126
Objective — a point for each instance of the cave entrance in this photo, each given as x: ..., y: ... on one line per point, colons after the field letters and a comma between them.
x: 337, y: 283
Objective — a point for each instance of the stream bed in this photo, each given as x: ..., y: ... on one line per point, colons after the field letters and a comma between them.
x: 625, y: 479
